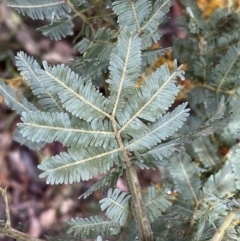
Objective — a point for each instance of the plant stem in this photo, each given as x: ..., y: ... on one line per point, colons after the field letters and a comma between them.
x: 80, y: 14
x: 137, y: 204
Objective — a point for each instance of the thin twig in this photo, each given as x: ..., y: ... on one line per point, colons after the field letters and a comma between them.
x: 13, y: 233
x: 8, y: 230
x: 81, y: 15
x: 196, y: 84
x: 221, y: 230
x: 190, y: 228
x: 7, y: 212
x: 102, y: 16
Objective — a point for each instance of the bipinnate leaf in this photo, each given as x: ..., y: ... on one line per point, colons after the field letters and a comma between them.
x: 197, y: 14
x: 101, y: 47
x: 206, y: 152
x: 79, y: 164
x: 160, y: 87
x: 201, y: 69
x: 157, y: 155
x: 213, y: 211
x: 80, y: 98
x: 108, y: 181
x: 81, y: 3
x: 132, y: 14
x: 148, y: 165
x: 49, y: 127
x: 220, y: 183
x: 89, y: 68
x: 161, y: 130
x: 15, y: 100
x: 182, y: 48
x: 157, y: 16
x: 224, y: 74
x: 83, y: 45
x: 17, y: 136
x: 156, y: 202
x: 219, y: 113
x: 28, y: 68
x: 125, y: 63
x: 59, y: 29
x: 185, y: 176
x: 92, y: 227
x: 43, y: 9
x: 207, y: 129
x: 142, y: 17
x: 117, y: 206
x: 149, y: 56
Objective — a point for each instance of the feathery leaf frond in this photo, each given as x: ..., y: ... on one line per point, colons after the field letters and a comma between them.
x: 183, y: 209
x: 185, y: 49
x: 77, y: 165
x: 221, y: 183
x: 124, y: 68
x: 149, y: 28
x: 207, y: 152
x: 28, y: 67
x: 20, y: 104
x: 40, y: 10
x: 92, y: 227
x: 117, y: 206
x: 156, y: 202
x: 145, y: 165
x: 193, y: 16
x: 142, y: 17
x: 149, y: 56
x: 196, y: 13
x: 59, y: 29
x: 160, y: 130
x: 218, y: 113
x: 108, y: 180
x: 102, y: 45
x: 157, y: 154
x: 224, y: 74
x: 17, y: 136
x: 89, y: 68
x: 185, y: 176
x: 83, y: 45
x: 209, y: 216
x: 49, y: 127
x: 79, y: 3
x: 207, y: 129
x: 132, y: 14
x: 154, y: 97
x: 79, y: 98
x: 201, y: 69
x: 15, y: 100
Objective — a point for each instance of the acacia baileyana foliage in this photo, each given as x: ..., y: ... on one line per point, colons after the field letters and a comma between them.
x: 132, y: 125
